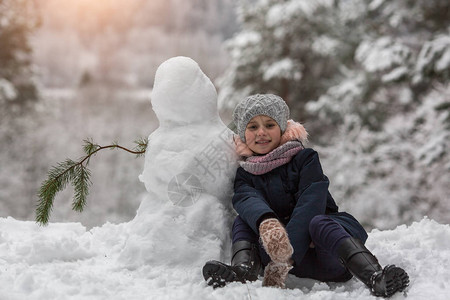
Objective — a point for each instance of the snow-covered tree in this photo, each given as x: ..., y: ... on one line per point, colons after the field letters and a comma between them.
x: 371, y: 80
x: 18, y: 96
x: 17, y: 21
x: 292, y: 48
x: 392, y: 112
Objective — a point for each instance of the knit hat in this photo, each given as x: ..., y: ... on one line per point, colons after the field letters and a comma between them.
x: 260, y: 104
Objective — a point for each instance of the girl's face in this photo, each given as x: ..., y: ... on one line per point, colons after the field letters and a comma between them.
x: 262, y: 134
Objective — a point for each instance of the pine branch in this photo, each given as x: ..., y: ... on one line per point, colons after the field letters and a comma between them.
x: 78, y: 175
x: 141, y: 146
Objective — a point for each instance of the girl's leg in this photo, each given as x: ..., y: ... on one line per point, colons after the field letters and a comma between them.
x: 334, y: 246
x: 327, y: 234
x: 321, y: 262
x: 242, y: 232
x: 364, y: 265
x: 245, y: 261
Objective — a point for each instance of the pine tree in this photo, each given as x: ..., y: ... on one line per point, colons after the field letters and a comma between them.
x: 18, y: 19
x: 389, y: 113
x: 18, y: 96
x: 286, y: 47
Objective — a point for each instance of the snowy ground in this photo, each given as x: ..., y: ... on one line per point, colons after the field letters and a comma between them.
x: 64, y: 261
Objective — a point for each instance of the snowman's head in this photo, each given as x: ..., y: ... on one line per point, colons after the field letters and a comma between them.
x: 182, y: 94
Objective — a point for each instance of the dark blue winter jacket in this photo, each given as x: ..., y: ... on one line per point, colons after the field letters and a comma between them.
x: 294, y: 193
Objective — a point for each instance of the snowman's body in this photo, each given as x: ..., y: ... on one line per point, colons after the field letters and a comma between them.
x: 189, y: 170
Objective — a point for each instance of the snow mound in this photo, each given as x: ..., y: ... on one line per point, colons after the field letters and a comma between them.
x: 64, y: 261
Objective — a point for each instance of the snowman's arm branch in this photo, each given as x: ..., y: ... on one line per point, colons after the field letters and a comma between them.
x: 78, y: 175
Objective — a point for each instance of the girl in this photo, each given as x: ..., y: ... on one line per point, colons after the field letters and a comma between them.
x: 288, y: 222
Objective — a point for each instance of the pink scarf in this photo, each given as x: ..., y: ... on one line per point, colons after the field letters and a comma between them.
x: 261, y: 164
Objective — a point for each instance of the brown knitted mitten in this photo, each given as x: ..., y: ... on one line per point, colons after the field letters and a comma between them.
x: 275, y: 240
x: 275, y: 274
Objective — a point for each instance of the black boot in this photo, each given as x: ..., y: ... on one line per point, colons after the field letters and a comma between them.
x: 245, y: 266
x: 364, y: 266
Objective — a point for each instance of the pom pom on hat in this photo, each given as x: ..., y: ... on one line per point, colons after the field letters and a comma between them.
x: 260, y: 104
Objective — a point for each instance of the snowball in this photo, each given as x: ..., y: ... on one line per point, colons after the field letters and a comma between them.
x: 182, y: 94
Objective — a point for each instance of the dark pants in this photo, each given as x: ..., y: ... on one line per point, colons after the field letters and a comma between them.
x: 321, y: 262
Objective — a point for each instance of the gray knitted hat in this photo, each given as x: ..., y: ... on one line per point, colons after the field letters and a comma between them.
x: 260, y: 104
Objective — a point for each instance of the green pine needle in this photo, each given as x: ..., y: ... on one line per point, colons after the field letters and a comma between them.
x: 141, y: 146
x: 57, y: 180
x: 78, y: 175
x: 81, y: 184
x: 89, y: 146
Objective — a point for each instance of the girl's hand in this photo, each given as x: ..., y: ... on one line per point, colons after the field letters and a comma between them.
x: 275, y: 240
x: 276, y: 243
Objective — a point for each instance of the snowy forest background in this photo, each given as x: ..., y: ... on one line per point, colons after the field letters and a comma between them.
x: 369, y: 79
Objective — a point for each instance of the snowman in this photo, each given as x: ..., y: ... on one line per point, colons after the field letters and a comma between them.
x: 189, y: 170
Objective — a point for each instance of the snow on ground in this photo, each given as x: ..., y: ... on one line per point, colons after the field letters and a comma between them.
x: 65, y: 261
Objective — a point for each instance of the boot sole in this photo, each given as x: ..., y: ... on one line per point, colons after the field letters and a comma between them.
x: 218, y: 274
x: 397, y: 280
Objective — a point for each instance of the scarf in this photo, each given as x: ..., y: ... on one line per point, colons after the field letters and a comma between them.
x: 261, y: 164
